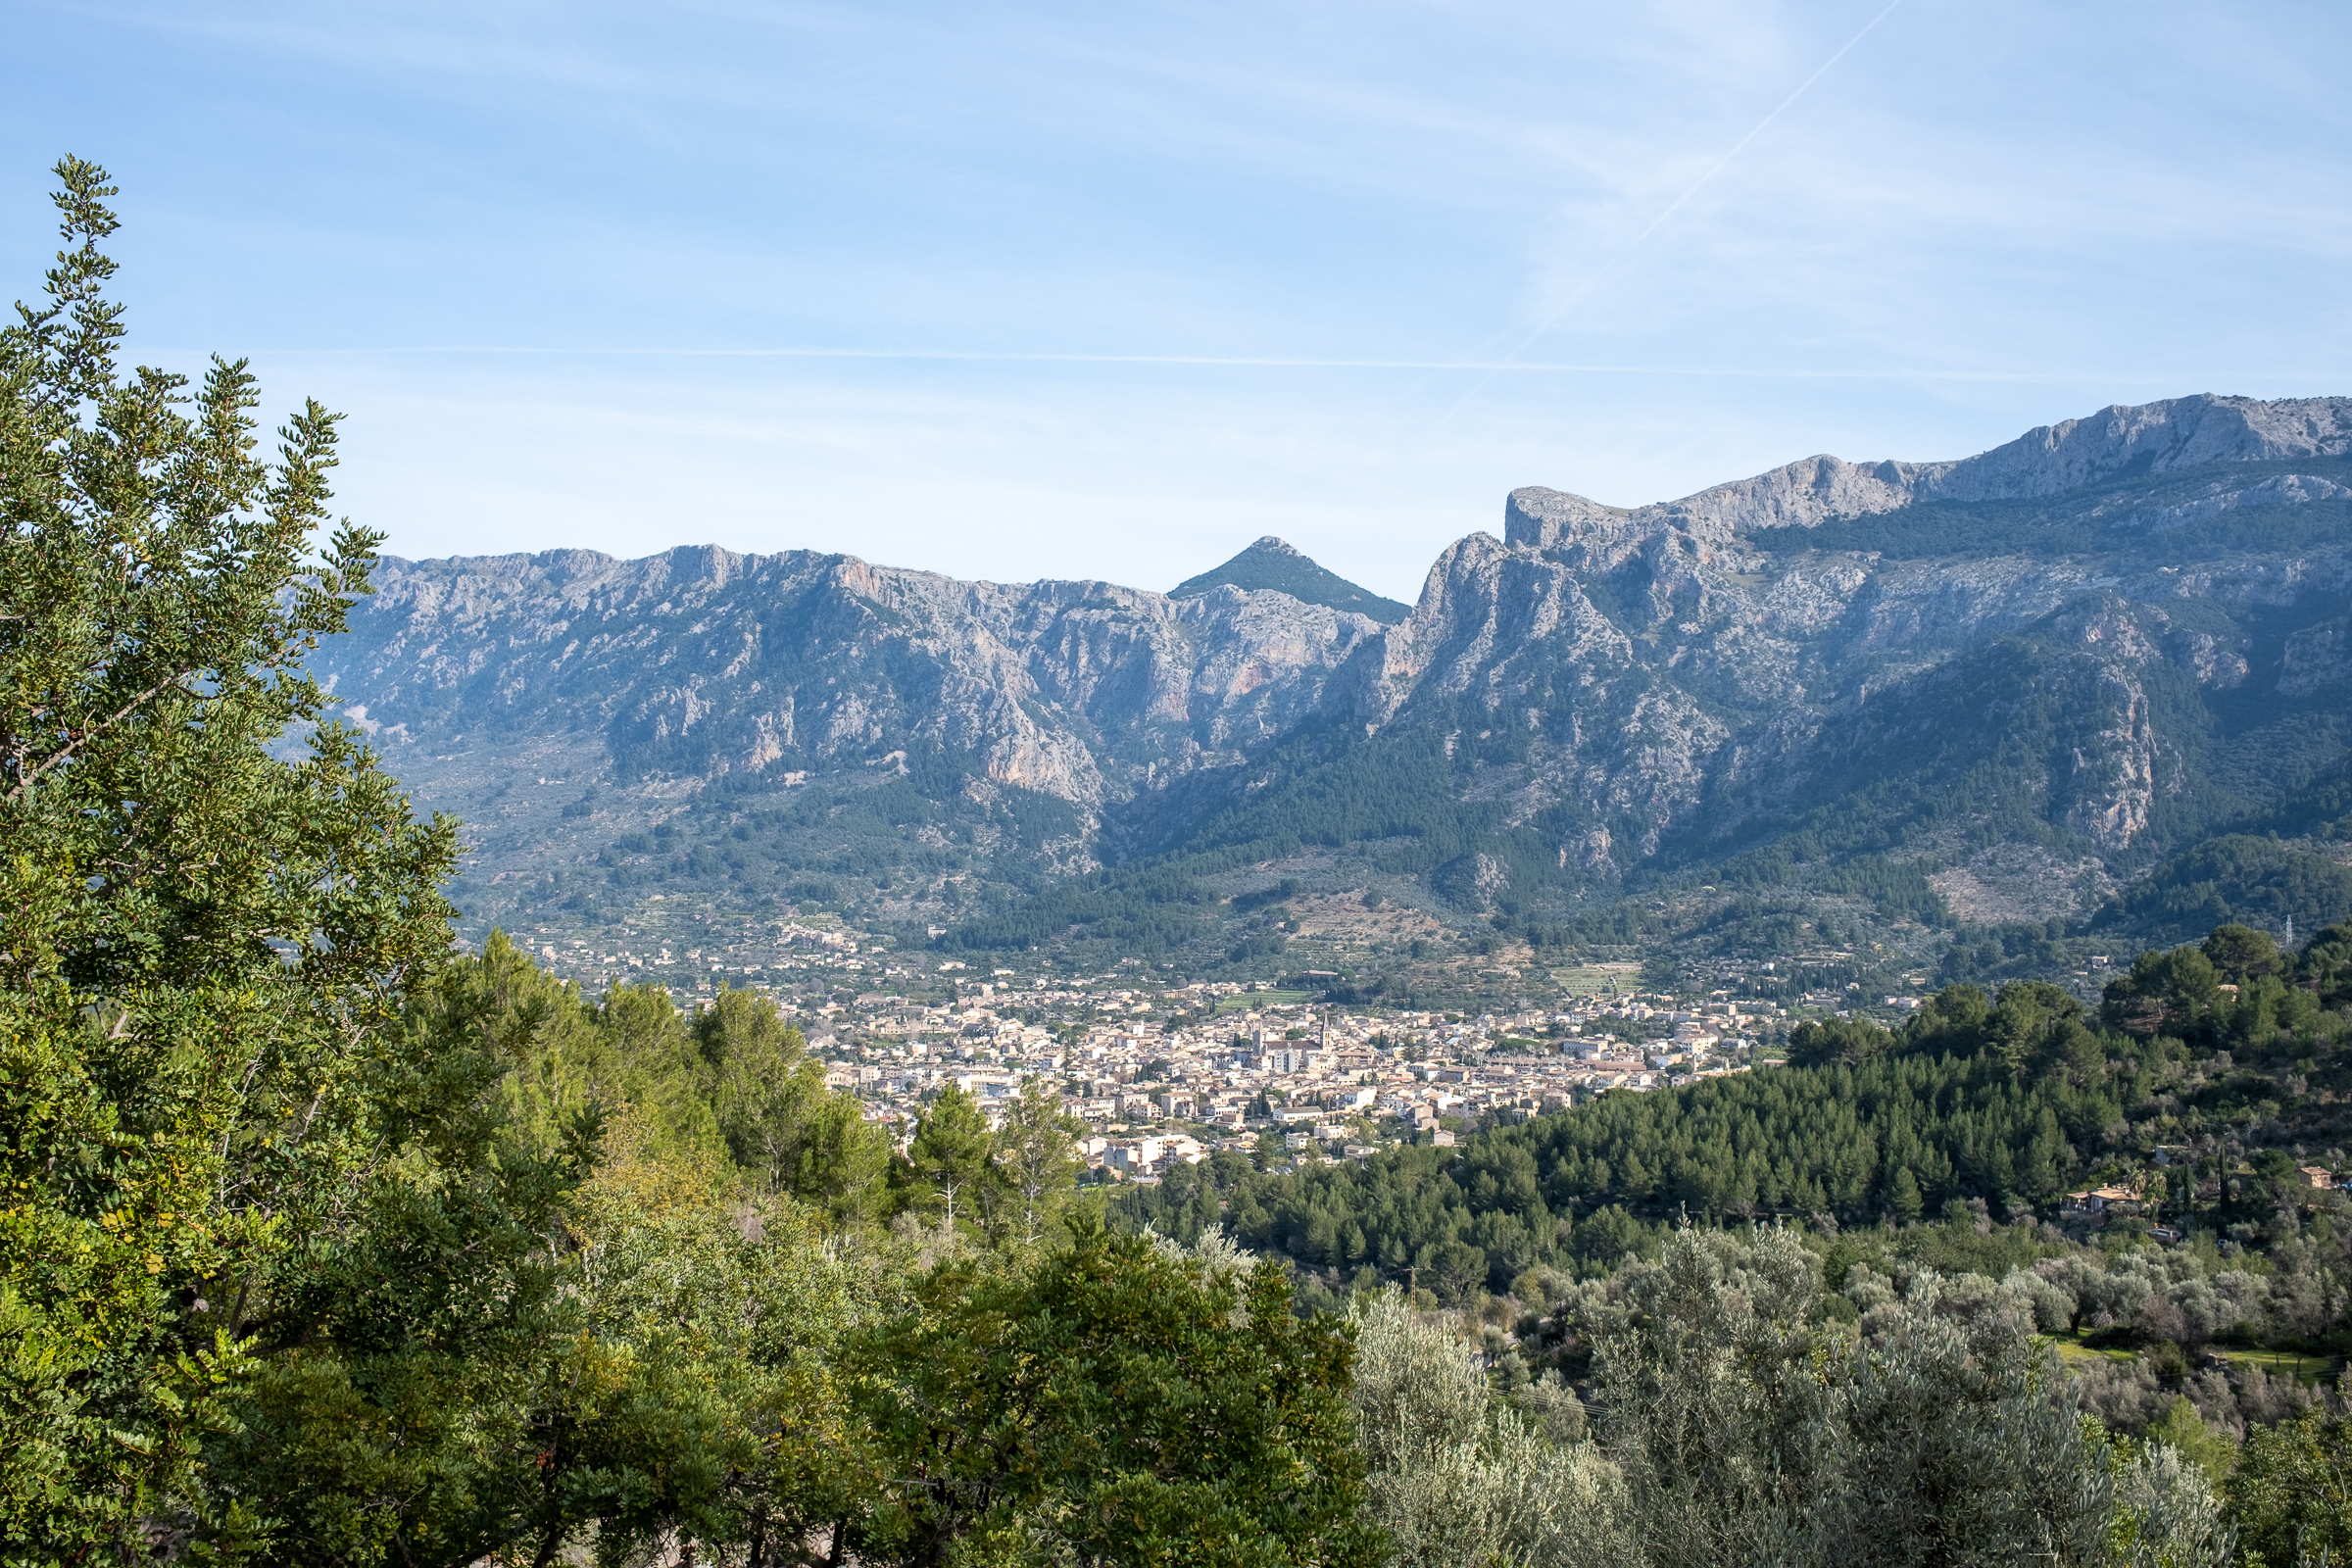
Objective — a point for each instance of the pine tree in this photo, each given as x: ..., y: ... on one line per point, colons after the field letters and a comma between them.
x: 1036, y: 1165
x: 947, y: 1160
x: 1903, y: 1196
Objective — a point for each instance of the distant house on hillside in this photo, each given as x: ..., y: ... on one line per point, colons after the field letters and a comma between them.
x: 2104, y: 1200
x: 2315, y: 1176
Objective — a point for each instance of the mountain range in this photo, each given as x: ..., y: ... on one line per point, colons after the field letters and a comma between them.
x: 2092, y: 684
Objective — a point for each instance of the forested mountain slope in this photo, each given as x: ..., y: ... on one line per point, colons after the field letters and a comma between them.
x: 1271, y: 563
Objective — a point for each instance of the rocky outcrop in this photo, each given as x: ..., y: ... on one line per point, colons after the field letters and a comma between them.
x: 703, y: 663
x: 2071, y: 616
x: 1690, y: 667
x: 2118, y: 442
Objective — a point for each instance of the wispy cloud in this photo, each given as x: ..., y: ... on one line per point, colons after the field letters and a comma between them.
x: 1122, y: 280
x: 1483, y: 367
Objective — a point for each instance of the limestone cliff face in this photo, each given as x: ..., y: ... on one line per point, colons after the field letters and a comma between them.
x: 700, y: 662
x: 1692, y: 667
x: 2074, y: 639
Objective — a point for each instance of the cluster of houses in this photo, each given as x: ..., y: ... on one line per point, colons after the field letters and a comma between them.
x: 1166, y: 1075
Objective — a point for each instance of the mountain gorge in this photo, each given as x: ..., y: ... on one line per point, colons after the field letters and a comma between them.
x: 2093, y: 680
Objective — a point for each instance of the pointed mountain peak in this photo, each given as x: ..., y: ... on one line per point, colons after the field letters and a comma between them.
x: 1274, y: 563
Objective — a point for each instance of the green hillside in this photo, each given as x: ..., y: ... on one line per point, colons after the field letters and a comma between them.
x: 1273, y: 564
x: 2002, y: 1101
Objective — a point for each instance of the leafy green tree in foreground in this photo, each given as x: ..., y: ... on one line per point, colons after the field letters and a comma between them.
x: 544, y: 1322
x: 411, y: 1394
x: 2291, y: 1493
x: 1121, y: 1402
x: 199, y: 943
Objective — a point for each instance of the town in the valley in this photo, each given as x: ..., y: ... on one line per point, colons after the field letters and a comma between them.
x: 1163, y: 1070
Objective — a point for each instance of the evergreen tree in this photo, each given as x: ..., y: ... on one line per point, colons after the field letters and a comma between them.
x: 776, y: 1115
x: 2291, y: 1493
x: 947, y: 1163
x: 1036, y: 1164
x: 200, y: 943
x: 1903, y: 1195
x: 1120, y: 1404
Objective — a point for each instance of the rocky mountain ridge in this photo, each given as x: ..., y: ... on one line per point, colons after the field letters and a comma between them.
x: 1695, y: 654
x: 2076, y: 653
x: 2118, y: 442
x: 703, y: 663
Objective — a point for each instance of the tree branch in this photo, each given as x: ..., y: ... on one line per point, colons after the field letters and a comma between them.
x: 26, y: 783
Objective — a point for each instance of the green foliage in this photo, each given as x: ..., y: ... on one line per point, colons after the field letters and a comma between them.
x: 1835, y: 1042
x: 775, y: 1114
x: 1270, y: 564
x: 2235, y: 877
x: 1457, y: 1473
x: 1034, y: 1169
x: 403, y: 1351
x: 2324, y: 965
x: 703, y: 1390
x: 1146, y: 910
x: 2269, y: 995
x: 2290, y: 1495
x: 200, y: 945
x: 1116, y: 1404
x: 2163, y: 991
x: 2182, y: 1429
x: 1748, y: 1431
x: 947, y: 1163
x: 1838, y: 1139
x: 1973, y: 1098
x: 487, y: 1345
x: 1903, y: 1198
x: 2238, y: 954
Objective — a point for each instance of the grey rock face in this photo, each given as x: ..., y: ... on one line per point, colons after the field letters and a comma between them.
x: 2060, y: 644
x: 2154, y: 438
x: 1692, y: 667
x: 704, y: 662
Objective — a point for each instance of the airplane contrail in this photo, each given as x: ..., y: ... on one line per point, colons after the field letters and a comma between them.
x: 1209, y: 360
x: 1592, y: 280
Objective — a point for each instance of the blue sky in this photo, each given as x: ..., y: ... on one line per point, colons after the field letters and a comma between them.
x: 1087, y: 290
